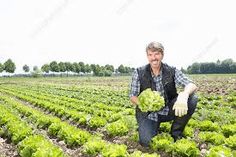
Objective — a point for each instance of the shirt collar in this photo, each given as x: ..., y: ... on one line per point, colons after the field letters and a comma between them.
x: 158, y: 74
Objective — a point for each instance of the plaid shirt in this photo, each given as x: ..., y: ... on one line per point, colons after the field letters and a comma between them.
x: 180, y: 80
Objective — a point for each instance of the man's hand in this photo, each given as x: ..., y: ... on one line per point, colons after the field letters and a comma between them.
x: 134, y: 100
x: 181, y: 106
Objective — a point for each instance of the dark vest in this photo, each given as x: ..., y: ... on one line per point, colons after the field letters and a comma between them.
x: 168, y: 74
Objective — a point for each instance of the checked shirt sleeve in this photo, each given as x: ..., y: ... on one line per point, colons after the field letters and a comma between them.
x: 135, y: 85
x: 181, y: 79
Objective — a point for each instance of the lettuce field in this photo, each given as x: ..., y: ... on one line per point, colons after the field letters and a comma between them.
x: 92, y: 116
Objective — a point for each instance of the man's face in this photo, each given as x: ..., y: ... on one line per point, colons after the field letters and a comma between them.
x: 154, y: 58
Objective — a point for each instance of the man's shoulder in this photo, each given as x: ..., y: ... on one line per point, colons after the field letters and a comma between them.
x: 143, y: 70
x: 170, y: 67
x: 143, y: 67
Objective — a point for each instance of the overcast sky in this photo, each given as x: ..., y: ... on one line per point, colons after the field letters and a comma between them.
x: 35, y: 32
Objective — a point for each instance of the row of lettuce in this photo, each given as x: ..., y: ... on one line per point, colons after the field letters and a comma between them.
x: 71, y: 135
x: 217, y: 127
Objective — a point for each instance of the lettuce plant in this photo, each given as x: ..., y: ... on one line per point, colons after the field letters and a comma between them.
x: 150, y: 101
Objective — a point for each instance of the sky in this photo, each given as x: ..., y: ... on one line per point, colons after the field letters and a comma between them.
x: 35, y: 32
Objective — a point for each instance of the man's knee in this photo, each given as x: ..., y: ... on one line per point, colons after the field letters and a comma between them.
x: 147, y: 130
x: 144, y: 140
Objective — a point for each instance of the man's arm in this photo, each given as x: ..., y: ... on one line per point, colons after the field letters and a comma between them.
x: 181, y: 104
x: 190, y: 88
x: 134, y: 88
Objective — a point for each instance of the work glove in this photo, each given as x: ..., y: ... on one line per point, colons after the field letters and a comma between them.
x: 181, y: 104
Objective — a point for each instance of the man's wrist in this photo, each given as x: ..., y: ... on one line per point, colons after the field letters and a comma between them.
x: 184, y: 94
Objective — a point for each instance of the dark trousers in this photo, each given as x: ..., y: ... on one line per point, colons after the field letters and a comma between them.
x: 147, y: 128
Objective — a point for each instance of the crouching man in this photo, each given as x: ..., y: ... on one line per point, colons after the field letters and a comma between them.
x: 163, y: 78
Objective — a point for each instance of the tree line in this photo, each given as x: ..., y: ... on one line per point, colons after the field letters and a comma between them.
x: 68, y: 67
x: 222, y: 67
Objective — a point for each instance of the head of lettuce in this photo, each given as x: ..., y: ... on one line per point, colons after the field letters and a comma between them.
x: 150, y: 100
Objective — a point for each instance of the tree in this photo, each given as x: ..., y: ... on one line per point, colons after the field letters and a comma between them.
x: 128, y: 70
x: 1, y: 68
x: 96, y: 69
x: 109, y: 67
x: 45, y: 68
x: 62, y: 67
x: 194, y: 68
x: 88, y: 68
x: 233, y: 67
x: 77, y: 68
x: 9, y: 66
x: 107, y: 72
x: 54, y: 67
x: 82, y: 67
x: 72, y: 67
x: 226, y: 66
x: 26, y: 68
x: 121, y: 68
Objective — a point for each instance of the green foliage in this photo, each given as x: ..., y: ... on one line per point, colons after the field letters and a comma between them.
x: 96, y: 122
x: 188, y: 131
x: 134, y: 136
x: 140, y: 154
x: 94, y: 146
x: 219, y: 151
x: 150, y: 101
x: 54, y: 67
x: 208, y: 125
x: 9, y: 66
x: 76, y: 116
x: 212, y: 137
x: 109, y: 67
x: 18, y: 132
x: 45, y: 68
x: 1, y: 67
x: 225, y: 66
x: 150, y: 155
x: 38, y: 146
x: 43, y: 122
x: 115, y: 150
x: 192, y: 123
x: 54, y: 129
x: 15, y: 129
x: 165, y: 127
x: 26, y: 68
x: 107, y: 73
x: 114, y: 117
x: 185, y: 148
x: 72, y: 136
x: 76, y: 68
x: 229, y: 129
x: 62, y: 66
x: 124, y: 69
x: 83, y: 102
x: 117, y: 128
x: 163, y: 142
x: 231, y: 142
x: 2, y: 132
x: 223, y: 116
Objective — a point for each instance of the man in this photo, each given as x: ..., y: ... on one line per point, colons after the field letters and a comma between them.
x: 163, y: 78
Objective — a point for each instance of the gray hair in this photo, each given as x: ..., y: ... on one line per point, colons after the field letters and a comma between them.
x: 155, y: 46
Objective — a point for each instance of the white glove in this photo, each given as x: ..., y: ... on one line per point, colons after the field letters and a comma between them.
x: 181, y: 104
